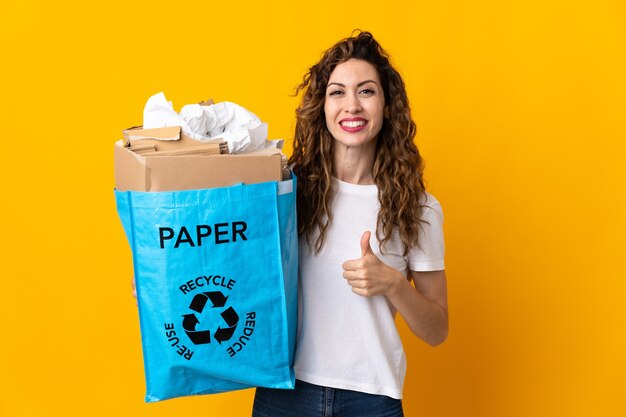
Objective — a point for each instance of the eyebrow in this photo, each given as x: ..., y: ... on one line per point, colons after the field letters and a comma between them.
x: 358, y: 85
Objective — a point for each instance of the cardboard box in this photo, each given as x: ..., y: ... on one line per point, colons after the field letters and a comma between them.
x: 134, y: 172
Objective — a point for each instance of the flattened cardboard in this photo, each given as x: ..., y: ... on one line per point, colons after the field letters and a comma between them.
x: 170, y: 138
x: 135, y: 172
x: 163, y: 133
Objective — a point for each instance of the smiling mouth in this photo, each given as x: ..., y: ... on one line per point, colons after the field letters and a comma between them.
x: 353, y: 123
x: 353, y: 126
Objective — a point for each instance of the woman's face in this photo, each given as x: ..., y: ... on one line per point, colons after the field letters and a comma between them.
x: 354, y: 103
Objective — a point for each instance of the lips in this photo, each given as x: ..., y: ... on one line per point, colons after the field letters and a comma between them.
x: 352, y: 124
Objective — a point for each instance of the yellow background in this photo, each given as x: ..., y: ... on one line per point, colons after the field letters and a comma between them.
x: 521, y: 113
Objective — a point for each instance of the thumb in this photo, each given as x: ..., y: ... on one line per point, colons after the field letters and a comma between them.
x: 365, y: 243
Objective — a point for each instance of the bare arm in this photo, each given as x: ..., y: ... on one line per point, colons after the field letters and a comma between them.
x: 423, y: 307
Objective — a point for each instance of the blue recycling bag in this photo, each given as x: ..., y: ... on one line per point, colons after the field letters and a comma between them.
x: 216, y: 277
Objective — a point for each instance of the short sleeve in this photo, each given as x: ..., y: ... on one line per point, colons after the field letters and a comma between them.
x: 429, y: 255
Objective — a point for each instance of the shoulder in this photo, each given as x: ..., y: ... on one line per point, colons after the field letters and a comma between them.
x: 428, y: 254
x: 431, y: 207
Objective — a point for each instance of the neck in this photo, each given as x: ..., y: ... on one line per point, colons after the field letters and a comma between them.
x: 354, y: 164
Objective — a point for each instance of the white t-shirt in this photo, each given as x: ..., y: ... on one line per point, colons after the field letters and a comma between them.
x: 346, y: 340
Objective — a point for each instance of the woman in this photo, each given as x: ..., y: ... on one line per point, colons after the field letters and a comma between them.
x: 368, y: 229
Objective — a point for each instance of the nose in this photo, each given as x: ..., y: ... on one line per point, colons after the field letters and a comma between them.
x: 353, y: 104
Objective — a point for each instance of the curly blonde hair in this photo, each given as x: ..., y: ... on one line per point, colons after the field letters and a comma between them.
x: 398, y: 166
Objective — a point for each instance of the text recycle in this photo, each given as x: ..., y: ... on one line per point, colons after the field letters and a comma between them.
x: 209, y: 291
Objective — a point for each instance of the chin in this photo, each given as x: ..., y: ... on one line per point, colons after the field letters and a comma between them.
x: 355, y: 142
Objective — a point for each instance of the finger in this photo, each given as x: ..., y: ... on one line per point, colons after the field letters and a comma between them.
x: 352, y: 265
x: 357, y: 283
x: 134, y: 286
x: 352, y: 275
x: 365, y: 243
x: 363, y: 292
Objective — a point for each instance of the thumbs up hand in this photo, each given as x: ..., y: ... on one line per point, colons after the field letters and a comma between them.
x: 368, y: 275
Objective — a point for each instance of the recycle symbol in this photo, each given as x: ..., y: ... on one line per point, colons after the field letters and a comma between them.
x: 201, y: 337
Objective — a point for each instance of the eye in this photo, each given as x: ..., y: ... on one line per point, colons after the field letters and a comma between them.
x: 335, y: 92
x: 367, y: 91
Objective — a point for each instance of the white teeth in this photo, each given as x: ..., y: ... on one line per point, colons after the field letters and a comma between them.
x: 353, y: 124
